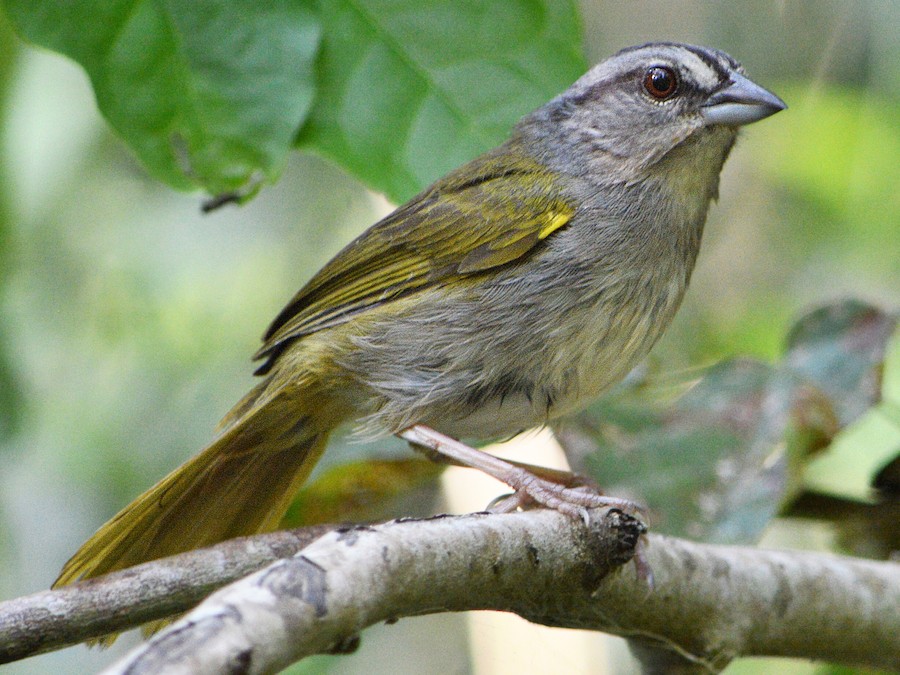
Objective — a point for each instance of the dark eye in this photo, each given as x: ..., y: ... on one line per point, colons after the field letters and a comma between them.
x: 660, y: 82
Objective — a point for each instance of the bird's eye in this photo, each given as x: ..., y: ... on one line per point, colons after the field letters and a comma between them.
x: 660, y: 82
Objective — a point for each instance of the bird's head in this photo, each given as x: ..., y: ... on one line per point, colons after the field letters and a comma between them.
x: 651, y: 104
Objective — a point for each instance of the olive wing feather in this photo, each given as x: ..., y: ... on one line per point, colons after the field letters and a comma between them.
x: 488, y: 213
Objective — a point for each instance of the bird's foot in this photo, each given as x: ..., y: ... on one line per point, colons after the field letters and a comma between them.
x: 565, y: 492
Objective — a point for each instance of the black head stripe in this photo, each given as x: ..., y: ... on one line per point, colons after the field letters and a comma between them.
x: 714, y: 61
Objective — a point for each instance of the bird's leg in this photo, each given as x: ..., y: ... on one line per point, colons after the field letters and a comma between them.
x: 539, y: 487
x: 563, y: 491
x: 568, y: 479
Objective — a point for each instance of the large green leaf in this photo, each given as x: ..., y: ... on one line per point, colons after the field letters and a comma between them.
x: 409, y: 89
x: 208, y: 93
x: 211, y: 94
x: 723, y: 458
x: 716, y: 464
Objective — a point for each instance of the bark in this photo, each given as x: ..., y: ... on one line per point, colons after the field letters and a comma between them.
x: 92, y: 609
x: 709, y: 604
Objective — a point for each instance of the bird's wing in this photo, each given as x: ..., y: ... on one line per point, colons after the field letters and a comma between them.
x: 488, y: 213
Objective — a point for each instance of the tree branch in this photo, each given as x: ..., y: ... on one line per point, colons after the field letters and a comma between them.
x: 91, y: 609
x: 711, y: 603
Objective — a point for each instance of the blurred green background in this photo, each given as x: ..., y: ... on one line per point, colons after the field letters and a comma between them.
x: 127, y: 317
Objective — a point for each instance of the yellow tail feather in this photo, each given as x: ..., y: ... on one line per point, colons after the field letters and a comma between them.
x: 240, y: 484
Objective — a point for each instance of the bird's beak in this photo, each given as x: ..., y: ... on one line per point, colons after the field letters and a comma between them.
x: 740, y: 102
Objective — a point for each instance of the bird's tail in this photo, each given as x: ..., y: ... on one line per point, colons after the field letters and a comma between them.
x: 240, y: 484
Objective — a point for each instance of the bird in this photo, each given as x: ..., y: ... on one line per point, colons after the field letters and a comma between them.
x: 512, y: 291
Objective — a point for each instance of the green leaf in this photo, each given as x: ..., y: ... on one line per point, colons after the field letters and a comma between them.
x: 365, y: 481
x: 410, y: 90
x: 366, y: 490
x: 723, y: 458
x: 715, y: 464
x: 208, y: 94
x: 841, y: 347
x: 864, y: 448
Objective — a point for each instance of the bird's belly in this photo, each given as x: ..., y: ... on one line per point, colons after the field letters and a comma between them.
x: 520, y: 370
x: 495, y: 418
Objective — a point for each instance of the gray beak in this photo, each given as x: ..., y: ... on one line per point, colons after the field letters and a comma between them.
x: 740, y: 102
